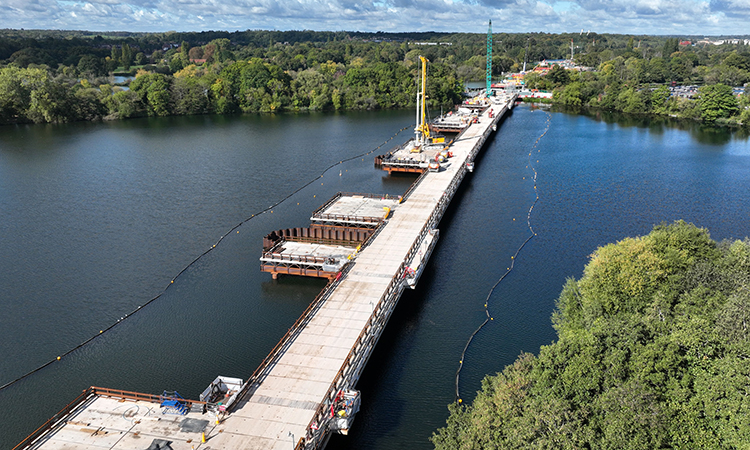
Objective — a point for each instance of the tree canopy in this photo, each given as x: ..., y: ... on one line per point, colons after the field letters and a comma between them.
x: 269, y: 71
x: 652, y: 352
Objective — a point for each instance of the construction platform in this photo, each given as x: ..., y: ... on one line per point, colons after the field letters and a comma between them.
x: 453, y: 122
x: 304, y: 390
x: 338, y: 230
x: 306, y: 258
x: 355, y: 210
x: 103, y: 418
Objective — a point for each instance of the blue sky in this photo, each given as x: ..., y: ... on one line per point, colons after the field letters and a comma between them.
x: 685, y: 17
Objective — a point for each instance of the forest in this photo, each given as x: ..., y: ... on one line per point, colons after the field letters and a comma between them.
x: 635, y: 82
x: 62, y: 76
x: 653, y: 351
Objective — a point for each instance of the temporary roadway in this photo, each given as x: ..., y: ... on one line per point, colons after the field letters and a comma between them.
x: 287, y: 400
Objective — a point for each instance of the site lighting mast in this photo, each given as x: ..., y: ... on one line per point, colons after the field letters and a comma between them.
x: 488, y: 76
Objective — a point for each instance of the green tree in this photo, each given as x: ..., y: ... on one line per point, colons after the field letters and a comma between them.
x: 51, y: 102
x: 659, y: 100
x: 185, y: 53
x: 570, y: 95
x: 127, y: 57
x: 671, y: 45
x: 716, y: 101
x: 91, y: 66
x: 16, y: 86
x: 127, y: 104
x: 87, y: 104
x: 153, y: 89
x: 116, y: 53
x: 140, y: 59
x: 651, y: 353
x: 176, y: 64
x: 558, y: 76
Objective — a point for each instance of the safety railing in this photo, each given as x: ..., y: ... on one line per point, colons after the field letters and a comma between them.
x: 338, y: 195
x: 323, y: 241
x: 317, y: 428
x: 392, y: 161
x: 54, y: 419
x: 355, y: 360
x: 349, y: 218
x: 281, y: 257
x: 414, y: 185
x: 262, y: 370
x: 88, y: 393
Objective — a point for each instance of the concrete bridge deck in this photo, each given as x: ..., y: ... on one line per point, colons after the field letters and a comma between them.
x: 284, y: 402
x: 287, y: 400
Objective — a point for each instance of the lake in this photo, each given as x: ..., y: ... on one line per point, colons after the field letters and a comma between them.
x: 98, y: 218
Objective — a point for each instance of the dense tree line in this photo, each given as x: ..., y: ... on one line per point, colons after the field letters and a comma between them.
x: 653, y: 351
x: 634, y: 82
x: 220, y: 72
x: 220, y: 77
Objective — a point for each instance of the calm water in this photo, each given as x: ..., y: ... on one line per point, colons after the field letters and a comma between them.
x: 96, y: 219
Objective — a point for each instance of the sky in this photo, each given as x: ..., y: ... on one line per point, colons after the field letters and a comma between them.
x: 673, y: 17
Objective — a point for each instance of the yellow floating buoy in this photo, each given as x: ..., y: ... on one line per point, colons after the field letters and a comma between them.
x: 58, y: 358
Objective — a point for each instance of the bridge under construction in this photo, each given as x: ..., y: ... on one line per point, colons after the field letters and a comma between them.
x: 370, y: 248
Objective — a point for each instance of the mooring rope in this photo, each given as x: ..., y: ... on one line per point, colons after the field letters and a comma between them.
x: 221, y: 238
x: 512, y: 261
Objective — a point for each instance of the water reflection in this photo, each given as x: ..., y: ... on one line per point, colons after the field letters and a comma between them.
x: 702, y: 133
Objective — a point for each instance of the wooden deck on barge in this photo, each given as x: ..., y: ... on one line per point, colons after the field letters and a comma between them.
x: 286, y: 402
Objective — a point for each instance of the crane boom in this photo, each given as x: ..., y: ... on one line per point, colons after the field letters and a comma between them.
x: 488, y: 75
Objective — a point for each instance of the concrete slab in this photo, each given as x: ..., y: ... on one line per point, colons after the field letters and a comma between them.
x: 355, y: 210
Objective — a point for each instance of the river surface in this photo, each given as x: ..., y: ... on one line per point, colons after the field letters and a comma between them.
x: 98, y: 218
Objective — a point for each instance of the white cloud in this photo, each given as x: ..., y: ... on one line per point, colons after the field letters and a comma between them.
x: 692, y: 17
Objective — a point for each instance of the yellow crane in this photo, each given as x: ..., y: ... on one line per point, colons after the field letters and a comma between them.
x: 422, y: 130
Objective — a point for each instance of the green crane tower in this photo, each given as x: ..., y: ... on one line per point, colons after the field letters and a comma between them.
x: 488, y: 75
